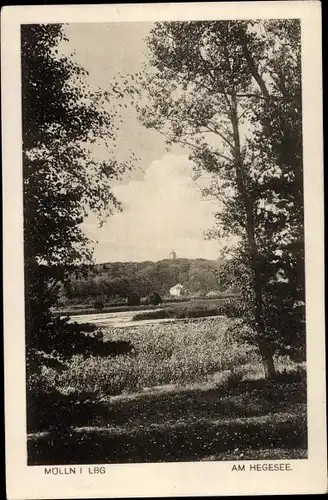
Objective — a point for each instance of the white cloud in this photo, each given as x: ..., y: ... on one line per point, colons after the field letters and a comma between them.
x: 163, y: 211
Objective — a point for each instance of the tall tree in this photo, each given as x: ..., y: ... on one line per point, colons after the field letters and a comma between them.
x: 211, y: 89
x: 280, y: 190
x: 63, y: 120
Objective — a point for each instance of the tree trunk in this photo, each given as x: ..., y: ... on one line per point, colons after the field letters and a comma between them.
x: 251, y: 64
x: 267, y: 360
x: 265, y: 351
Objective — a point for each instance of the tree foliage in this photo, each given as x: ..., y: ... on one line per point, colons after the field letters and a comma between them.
x: 64, y: 119
x: 230, y: 91
x: 121, y: 279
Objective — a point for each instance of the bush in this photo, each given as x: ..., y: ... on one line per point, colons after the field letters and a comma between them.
x: 63, y: 339
x: 159, y: 314
x: 54, y: 405
x: 231, y: 308
x: 286, y: 376
x: 154, y: 299
x: 234, y: 380
x: 192, y: 309
x: 133, y: 299
x: 197, y: 309
x: 98, y: 305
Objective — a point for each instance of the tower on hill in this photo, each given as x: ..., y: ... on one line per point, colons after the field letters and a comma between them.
x: 173, y: 255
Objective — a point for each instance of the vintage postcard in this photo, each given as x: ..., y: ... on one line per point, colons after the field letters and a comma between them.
x: 163, y: 250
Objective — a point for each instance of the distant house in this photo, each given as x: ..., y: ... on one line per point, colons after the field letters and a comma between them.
x: 177, y: 290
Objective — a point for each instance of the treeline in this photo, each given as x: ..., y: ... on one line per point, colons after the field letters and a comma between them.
x: 121, y: 279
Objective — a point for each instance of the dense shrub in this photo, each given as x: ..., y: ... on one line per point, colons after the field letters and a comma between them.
x: 98, y: 305
x: 231, y: 308
x: 194, y: 309
x: 134, y: 299
x: 154, y: 299
x: 49, y: 404
x: 61, y: 338
x: 158, y: 314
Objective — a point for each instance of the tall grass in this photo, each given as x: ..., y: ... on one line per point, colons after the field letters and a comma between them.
x: 170, y: 353
x: 180, y: 353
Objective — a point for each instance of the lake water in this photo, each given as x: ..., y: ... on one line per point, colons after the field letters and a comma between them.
x: 124, y: 319
x: 119, y: 319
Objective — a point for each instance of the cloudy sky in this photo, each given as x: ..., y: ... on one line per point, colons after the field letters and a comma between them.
x: 163, y: 207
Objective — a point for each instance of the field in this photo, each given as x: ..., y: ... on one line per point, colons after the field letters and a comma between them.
x: 199, y: 308
x: 189, y: 390
x: 168, y: 304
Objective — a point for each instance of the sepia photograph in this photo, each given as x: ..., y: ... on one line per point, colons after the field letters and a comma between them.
x: 180, y: 335
x: 164, y: 242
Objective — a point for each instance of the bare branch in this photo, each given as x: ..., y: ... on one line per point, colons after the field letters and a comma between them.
x: 215, y: 130
x: 194, y: 146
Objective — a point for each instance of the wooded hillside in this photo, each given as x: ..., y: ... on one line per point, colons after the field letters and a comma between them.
x: 120, y: 279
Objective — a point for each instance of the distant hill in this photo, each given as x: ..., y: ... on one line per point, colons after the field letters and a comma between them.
x: 119, y: 279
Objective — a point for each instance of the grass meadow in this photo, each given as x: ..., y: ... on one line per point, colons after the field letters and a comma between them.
x: 172, y: 307
x: 189, y: 390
